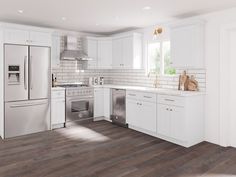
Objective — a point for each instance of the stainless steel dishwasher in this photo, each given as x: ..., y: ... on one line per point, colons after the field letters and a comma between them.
x: 119, y: 107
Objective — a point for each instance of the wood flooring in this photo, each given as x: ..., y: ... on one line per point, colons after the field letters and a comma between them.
x: 101, y: 149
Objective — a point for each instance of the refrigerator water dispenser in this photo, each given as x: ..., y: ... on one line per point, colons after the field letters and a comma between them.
x: 13, y: 75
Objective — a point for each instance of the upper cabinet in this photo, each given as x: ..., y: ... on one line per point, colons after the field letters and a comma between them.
x: 27, y: 37
x: 187, y: 45
x: 100, y: 51
x: 127, y: 52
x: 121, y: 52
x: 56, y: 50
x: 105, y: 53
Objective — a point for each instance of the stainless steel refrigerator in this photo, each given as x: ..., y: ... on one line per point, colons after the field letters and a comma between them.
x: 27, y: 89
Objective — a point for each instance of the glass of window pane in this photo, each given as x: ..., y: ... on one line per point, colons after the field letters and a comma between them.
x: 154, y: 57
x: 168, y: 69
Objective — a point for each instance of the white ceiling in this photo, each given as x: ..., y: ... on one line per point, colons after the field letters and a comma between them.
x: 104, y: 16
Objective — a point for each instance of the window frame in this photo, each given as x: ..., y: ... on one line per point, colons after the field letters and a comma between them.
x: 162, y: 62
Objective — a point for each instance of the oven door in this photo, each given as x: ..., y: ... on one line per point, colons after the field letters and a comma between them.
x: 79, y: 109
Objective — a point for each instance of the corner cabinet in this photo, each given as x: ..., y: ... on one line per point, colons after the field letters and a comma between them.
x: 100, y: 51
x: 27, y: 37
x: 127, y: 52
x: 187, y: 44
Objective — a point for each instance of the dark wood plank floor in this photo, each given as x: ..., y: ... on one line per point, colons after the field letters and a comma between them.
x: 101, y: 149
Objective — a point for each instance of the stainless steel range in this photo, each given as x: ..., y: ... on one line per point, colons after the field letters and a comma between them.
x: 79, y: 102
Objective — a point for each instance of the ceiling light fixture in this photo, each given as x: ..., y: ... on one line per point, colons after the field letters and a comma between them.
x: 157, y: 32
x: 97, y: 24
x: 146, y: 8
x: 63, y: 18
x: 21, y: 11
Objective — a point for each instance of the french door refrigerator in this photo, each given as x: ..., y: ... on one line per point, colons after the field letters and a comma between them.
x: 27, y: 89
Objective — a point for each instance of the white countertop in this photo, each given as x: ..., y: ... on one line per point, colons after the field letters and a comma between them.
x: 153, y: 90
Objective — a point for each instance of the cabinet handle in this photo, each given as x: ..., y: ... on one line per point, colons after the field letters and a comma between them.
x: 171, y: 110
x: 131, y: 94
x: 169, y: 100
x: 167, y: 109
x: 147, y: 97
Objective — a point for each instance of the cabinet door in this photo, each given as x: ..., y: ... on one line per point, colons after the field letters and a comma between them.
x: 40, y: 38
x: 58, y: 111
x: 98, y: 102
x: 148, y: 120
x: 128, y: 52
x: 117, y: 53
x: 105, y: 54
x: 15, y: 36
x: 163, y: 120
x: 92, y: 51
x: 178, y: 123
x: 107, y: 102
x: 132, y: 112
x: 55, y: 51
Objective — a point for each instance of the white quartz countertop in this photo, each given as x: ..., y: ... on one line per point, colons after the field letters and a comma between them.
x: 153, y: 90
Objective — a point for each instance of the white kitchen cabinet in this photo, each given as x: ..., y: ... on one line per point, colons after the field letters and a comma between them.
x: 171, y: 121
x: 163, y: 120
x: 98, y: 102
x: 104, y: 53
x: 55, y: 51
x: 107, y: 103
x: 127, y: 52
x: 40, y: 38
x: 187, y: 45
x: 117, y: 53
x: 27, y: 37
x: 91, y: 48
x: 141, y: 111
x: 178, y: 123
x: 180, y: 119
x: 16, y: 36
x: 58, y: 108
x: 100, y: 51
x: 102, y: 103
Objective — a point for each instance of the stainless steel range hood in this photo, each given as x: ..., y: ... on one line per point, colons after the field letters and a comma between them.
x: 71, y: 51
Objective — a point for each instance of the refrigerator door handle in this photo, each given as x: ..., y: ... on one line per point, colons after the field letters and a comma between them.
x: 30, y: 72
x: 25, y: 73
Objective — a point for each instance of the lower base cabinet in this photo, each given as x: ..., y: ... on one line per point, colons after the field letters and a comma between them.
x: 141, y: 114
x: 58, y: 109
x: 177, y: 119
x: 171, y: 121
x: 102, y: 103
x: 141, y: 111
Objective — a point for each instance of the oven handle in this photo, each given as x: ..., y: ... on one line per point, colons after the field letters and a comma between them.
x: 80, y: 99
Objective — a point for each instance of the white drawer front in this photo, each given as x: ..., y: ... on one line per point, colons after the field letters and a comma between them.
x: 149, y: 97
x: 58, y: 94
x: 171, y: 100
x: 143, y: 96
x: 132, y: 94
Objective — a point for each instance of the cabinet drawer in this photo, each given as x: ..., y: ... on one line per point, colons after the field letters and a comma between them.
x: 144, y: 96
x: 171, y: 100
x: 58, y: 94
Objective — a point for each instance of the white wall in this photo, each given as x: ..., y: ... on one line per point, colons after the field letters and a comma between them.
x: 1, y: 87
x: 214, y: 23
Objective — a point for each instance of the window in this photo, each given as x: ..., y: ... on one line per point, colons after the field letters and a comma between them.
x: 159, y: 60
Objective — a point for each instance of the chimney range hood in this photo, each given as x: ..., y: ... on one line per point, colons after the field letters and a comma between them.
x: 71, y: 51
